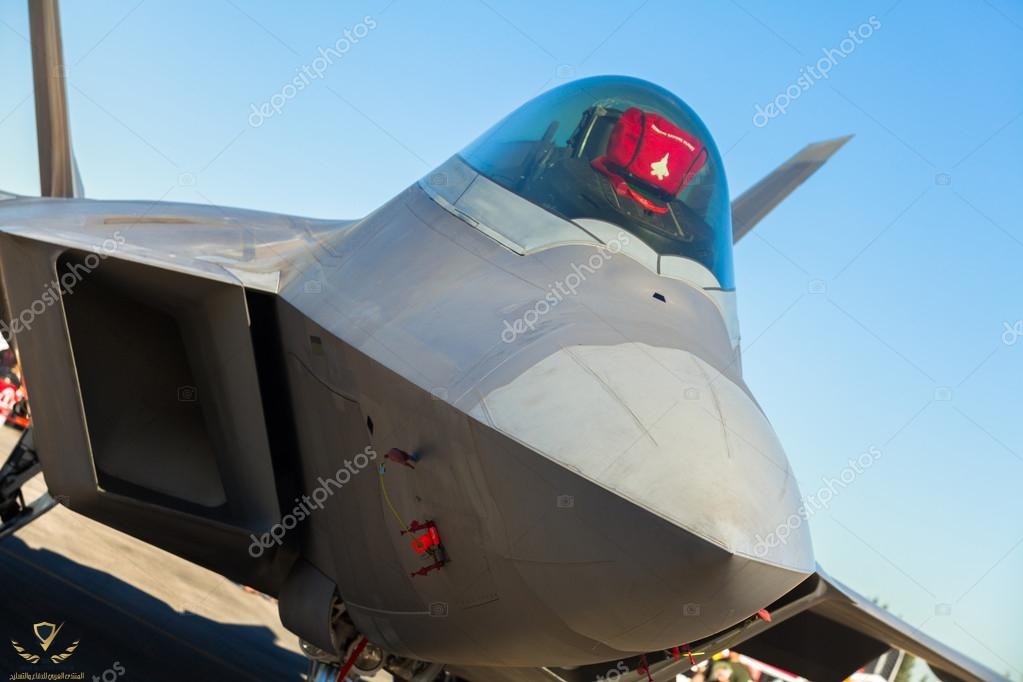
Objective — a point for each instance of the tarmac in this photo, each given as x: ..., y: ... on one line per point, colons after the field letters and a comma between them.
x: 138, y: 613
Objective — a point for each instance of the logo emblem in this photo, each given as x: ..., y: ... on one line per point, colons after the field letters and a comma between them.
x: 659, y: 169
x: 45, y: 642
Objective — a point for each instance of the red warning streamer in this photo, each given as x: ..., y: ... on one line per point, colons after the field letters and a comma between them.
x: 342, y: 674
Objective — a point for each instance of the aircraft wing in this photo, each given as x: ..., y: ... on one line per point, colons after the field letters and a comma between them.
x: 750, y: 207
x: 235, y: 246
x: 821, y: 631
x: 824, y: 631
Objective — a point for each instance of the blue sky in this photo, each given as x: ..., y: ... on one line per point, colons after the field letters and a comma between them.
x: 878, y: 304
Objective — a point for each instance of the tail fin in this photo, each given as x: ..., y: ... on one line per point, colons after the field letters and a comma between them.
x: 58, y: 171
x: 760, y: 199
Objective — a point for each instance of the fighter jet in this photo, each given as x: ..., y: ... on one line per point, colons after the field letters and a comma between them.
x: 471, y: 433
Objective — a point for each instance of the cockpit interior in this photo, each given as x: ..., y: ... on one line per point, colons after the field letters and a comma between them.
x: 621, y: 151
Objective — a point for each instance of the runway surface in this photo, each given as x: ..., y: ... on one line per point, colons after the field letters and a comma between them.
x: 132, y: 607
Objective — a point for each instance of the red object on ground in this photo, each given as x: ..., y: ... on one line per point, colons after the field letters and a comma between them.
x: 342, y: 674
x: 764, y: 614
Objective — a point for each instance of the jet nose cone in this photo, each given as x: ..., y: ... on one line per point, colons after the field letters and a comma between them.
x: 663, y: 429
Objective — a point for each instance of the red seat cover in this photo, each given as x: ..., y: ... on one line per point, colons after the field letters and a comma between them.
x: 652, y: 151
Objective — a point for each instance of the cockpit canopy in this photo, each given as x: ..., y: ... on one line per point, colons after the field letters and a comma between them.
x: 622, y: 151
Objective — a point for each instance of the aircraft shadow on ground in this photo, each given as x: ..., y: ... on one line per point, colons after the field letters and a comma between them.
x: 116, y: 622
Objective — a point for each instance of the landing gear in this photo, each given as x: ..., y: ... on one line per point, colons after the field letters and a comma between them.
x: 320, y: 671
x: 355, y: 656
x: 324, y: 672
x: 365, y: 658
x: 21, y: 465
x: 362, y: 659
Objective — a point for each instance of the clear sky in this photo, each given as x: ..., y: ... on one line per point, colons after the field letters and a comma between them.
x: 881, y: 305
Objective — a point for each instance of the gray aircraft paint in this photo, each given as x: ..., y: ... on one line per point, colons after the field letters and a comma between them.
x: 589, y: 514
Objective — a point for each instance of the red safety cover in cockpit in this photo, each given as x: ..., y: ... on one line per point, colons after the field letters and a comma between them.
x: 654, y: 151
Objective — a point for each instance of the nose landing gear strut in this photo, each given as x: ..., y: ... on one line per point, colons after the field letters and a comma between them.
x: 355, y: 658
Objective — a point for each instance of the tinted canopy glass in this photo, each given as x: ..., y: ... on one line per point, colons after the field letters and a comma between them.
x: 624, y: 151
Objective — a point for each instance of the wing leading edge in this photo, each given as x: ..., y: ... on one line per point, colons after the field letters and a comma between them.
x: 824, y: 631
x: 830, y: 631
x: 750, y: 207
x: 255, y: 249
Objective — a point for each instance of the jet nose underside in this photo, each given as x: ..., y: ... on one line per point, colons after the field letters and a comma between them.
x: 661, y: 429
x: 665, y: 430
